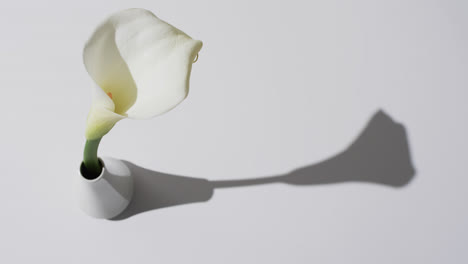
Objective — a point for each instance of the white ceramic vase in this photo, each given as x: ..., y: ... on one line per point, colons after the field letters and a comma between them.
x: 107, y: 195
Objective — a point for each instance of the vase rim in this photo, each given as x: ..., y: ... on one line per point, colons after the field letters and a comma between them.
x: 83, y: 168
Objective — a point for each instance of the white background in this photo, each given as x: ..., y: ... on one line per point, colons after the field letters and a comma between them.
x: 279, y: 85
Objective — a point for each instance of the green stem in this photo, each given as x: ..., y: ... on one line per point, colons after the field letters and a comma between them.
x: 90, y: 157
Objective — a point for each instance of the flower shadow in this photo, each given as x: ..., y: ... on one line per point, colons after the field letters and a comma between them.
x: 379, y: 155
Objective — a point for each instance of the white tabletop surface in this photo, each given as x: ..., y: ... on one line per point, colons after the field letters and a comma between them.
x: 281, y: 90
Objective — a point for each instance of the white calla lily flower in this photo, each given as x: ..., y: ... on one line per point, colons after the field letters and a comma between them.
x: 141, y: 66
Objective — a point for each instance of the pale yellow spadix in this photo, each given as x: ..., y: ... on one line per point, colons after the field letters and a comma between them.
x: 141, y: 66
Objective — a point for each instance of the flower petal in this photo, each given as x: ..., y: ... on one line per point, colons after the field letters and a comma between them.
x: 158, y: 56
x: 101, y: 117
x: 108, y: 69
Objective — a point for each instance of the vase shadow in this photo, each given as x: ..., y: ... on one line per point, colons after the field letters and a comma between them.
x: 379, y: 155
